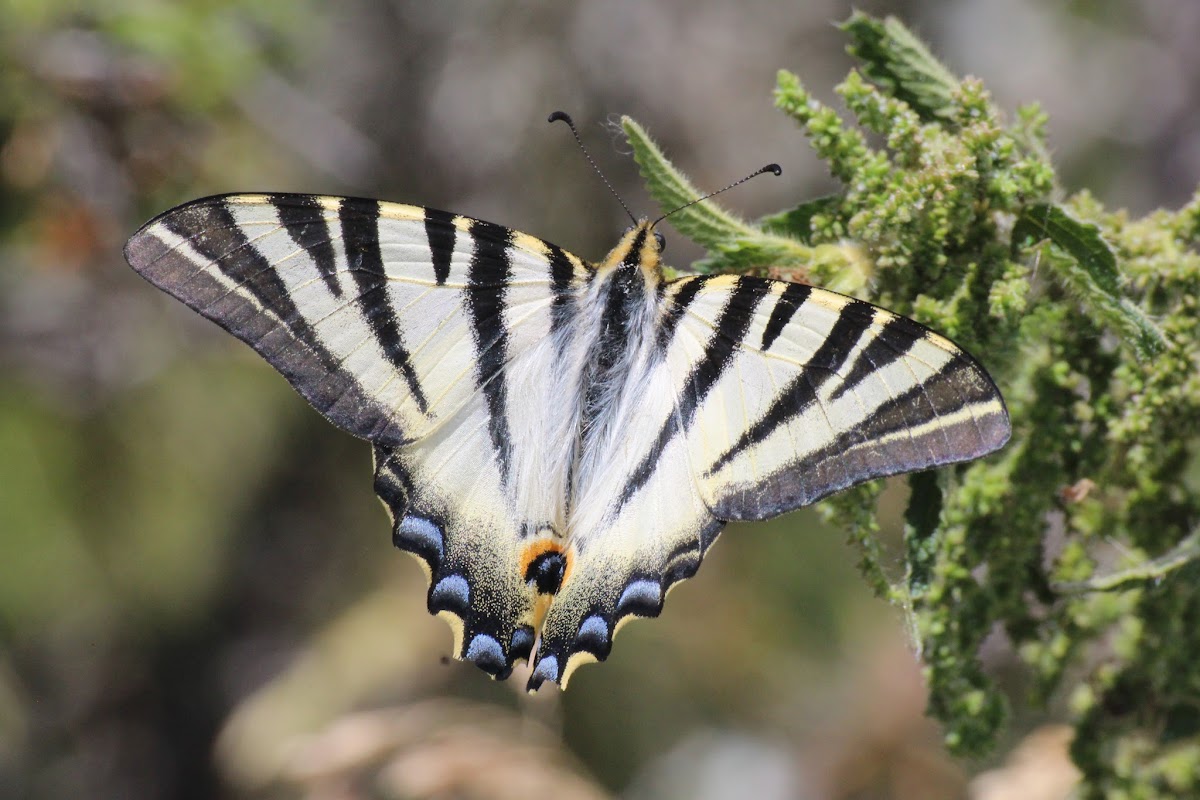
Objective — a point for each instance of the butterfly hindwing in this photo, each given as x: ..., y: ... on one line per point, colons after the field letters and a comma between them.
x: 470, y: 553
x: 627, y: 560
x: 416, y: 329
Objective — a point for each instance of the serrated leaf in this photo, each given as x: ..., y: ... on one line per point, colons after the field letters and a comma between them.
x: 900, y: 63
x: 1095, y: 278
x: 798, y: 222
x: 1081, y: 240
x: 705, y: 223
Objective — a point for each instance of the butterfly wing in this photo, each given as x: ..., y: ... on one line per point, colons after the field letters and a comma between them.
x: 419, y: 331
x: 803, y: 392
x: 755, y: 397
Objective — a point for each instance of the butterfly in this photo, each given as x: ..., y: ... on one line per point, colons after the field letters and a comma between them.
x: 559, y: 442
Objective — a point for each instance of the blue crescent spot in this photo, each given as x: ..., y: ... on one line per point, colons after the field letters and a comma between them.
x: 486, y: 652
x: 522, y: 642
x: 422, y: 533
x: 452, y: 587
x: 641, y: 595
x: 594, y: 629
x: 547, y: 670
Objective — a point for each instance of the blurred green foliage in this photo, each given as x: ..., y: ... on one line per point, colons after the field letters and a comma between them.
x: 1088, y: 320
x: 64, y: 65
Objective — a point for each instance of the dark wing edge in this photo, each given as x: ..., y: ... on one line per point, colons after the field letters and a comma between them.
x: 264, y: 317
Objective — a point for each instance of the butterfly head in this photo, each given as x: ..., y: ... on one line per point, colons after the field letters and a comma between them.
x: 640, y: 247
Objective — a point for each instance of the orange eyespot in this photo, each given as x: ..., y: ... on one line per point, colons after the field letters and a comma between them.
x: 545, y: 565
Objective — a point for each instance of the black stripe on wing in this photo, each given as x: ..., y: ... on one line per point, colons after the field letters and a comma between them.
x: 689, y: 288
x: 728, y: 332
x: 306, y: 222
x: 801, y: 392
x: 217, y: 237
x: 785, y: 308
x: 360, y: 236
x: 216, y: 254
x: 892, y: 342
x: 439, y: 228
x: 488, y: 277
x: 914, y: 430
x: 562, y: 272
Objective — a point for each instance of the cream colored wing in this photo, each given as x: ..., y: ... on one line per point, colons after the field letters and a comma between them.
x: 422, y: 332
x: 801, y: 392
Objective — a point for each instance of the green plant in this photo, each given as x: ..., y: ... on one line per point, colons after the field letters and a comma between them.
x: 1078, y: 541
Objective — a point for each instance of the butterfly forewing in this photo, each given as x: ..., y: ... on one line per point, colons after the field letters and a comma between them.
x: 821, y: 392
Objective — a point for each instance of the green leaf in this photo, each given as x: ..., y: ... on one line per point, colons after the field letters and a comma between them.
x: 734, y: 245
x: 754, y: 253
x: 1152, y: 569
x: 1081, y: 239
x: 900, y: 63
x: 798, y: 222
x: 1089, y: 271
x: 706, y: 223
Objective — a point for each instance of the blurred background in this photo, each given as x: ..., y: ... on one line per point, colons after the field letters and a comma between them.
x: 198, y: 595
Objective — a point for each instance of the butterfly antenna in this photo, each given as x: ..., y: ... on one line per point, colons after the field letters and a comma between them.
x: 774, y: 169
x: 562, y: 115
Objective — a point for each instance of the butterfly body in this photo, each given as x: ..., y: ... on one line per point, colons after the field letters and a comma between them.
x: 558, y: 442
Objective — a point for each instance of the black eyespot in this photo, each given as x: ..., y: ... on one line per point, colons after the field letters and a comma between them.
x: 546, y: 572
x: 662, y: 242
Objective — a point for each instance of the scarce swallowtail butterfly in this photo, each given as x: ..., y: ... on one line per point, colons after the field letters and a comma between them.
x: 558, y: 442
